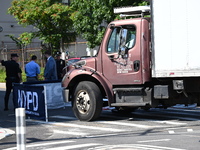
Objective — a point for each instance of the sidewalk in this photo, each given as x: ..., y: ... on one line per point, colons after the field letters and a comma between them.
x: 4, y: 132
x: 3, y: 85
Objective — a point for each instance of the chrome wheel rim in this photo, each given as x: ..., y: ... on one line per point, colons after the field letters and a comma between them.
x: 83, y: 102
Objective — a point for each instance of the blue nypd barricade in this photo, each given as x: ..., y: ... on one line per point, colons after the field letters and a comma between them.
x: 32, y: 98
x: 38, y: 97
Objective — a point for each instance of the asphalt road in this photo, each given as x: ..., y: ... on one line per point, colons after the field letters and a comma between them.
x: 157, y: 129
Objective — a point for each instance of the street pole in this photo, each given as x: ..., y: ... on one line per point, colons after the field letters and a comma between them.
x: 20, y: 128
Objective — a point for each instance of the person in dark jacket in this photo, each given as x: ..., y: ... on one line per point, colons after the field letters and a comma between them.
x: 50, y: 71
x: 60, y: 64
x: 13, y: 75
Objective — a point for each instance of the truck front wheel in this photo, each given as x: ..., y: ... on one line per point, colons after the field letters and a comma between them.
x: 87, y: 101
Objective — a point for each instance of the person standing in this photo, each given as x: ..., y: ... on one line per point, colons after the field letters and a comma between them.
x: 60, y: 64
x: 32, y: 69
x: 50, y: 71
x: 13, y: 75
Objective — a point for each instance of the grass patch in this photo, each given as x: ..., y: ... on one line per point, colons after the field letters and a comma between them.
x: 3, y: 75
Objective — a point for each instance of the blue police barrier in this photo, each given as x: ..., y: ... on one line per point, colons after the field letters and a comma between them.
x: 32, y: 98
x: 48, y: 94
x: 53, y: 91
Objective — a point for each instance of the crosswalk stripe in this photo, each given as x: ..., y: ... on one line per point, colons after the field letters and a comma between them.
x: 189, y: 130
x: 151, y: 120
x: 134, y: 146
x: 170, y: 122
x: 171, y: 132
x: 163, y: 122
x: 88, y: 127
x: 74, y: 146
x: 42, y: 144
x: 70, y: 132
x: 81, y: 126
x: 147, y: 141
x: 128, y: 124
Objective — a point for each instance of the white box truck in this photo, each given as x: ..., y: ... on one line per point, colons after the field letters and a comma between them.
x: 175, y: 31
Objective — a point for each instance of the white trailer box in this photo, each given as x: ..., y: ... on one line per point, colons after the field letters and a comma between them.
x: 176, y: 38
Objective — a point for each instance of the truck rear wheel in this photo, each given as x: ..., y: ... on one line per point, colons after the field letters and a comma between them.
x: 87, y: 101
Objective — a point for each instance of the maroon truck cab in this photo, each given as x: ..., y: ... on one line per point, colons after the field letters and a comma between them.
x: 118, y: 72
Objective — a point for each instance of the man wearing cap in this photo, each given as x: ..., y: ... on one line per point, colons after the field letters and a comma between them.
x: 60, y: 64
x: 32, y: 69
x: 13, y: 75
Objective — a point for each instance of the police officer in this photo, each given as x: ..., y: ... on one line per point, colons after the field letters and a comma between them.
x: 13, y: 75
x: 60, y: 64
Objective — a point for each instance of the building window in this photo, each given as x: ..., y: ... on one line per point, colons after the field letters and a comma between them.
x: 66, y: 2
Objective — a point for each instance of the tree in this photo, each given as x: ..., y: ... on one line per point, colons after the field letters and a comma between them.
x: 18, y: 42
x: 89, y: 15
x: 20, y: 45
x: 50, y: 18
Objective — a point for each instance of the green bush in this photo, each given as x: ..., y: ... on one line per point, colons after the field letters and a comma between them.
x: 3, y: 75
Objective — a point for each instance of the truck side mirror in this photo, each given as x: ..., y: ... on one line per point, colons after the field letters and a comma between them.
x: 123, y: 50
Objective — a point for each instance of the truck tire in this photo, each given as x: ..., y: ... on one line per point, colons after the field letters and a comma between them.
x: 87, y: 101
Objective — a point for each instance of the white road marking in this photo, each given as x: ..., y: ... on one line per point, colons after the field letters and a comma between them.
x: 171, y: 132
x: 102, y: 135
x: 74, y: 146
x: 161, y: 140
x: 157, y: 121
x: 70, y: 132
x: 128, y: 124
x: 88, y: 127
x: 189, y: 130
x: 41, y: 144
x: 134, y: 147
x: 170, y: 122
x: 159, y: 147
x: 163, y: 122
x: 4, y: 132
x: 80, y: 126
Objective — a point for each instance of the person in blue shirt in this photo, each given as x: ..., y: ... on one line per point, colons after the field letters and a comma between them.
x: 32, y: 69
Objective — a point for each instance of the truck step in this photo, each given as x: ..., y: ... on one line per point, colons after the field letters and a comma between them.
x: 129, y: 104
x: 134, y: 89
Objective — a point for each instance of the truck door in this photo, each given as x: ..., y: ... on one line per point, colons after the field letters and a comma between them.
x: 123, y: 70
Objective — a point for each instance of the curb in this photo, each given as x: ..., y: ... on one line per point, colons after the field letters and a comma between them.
x: 3, y: 85
x: 6, y: 133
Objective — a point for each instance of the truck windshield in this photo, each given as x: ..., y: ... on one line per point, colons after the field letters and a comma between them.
x: 113, y: 44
